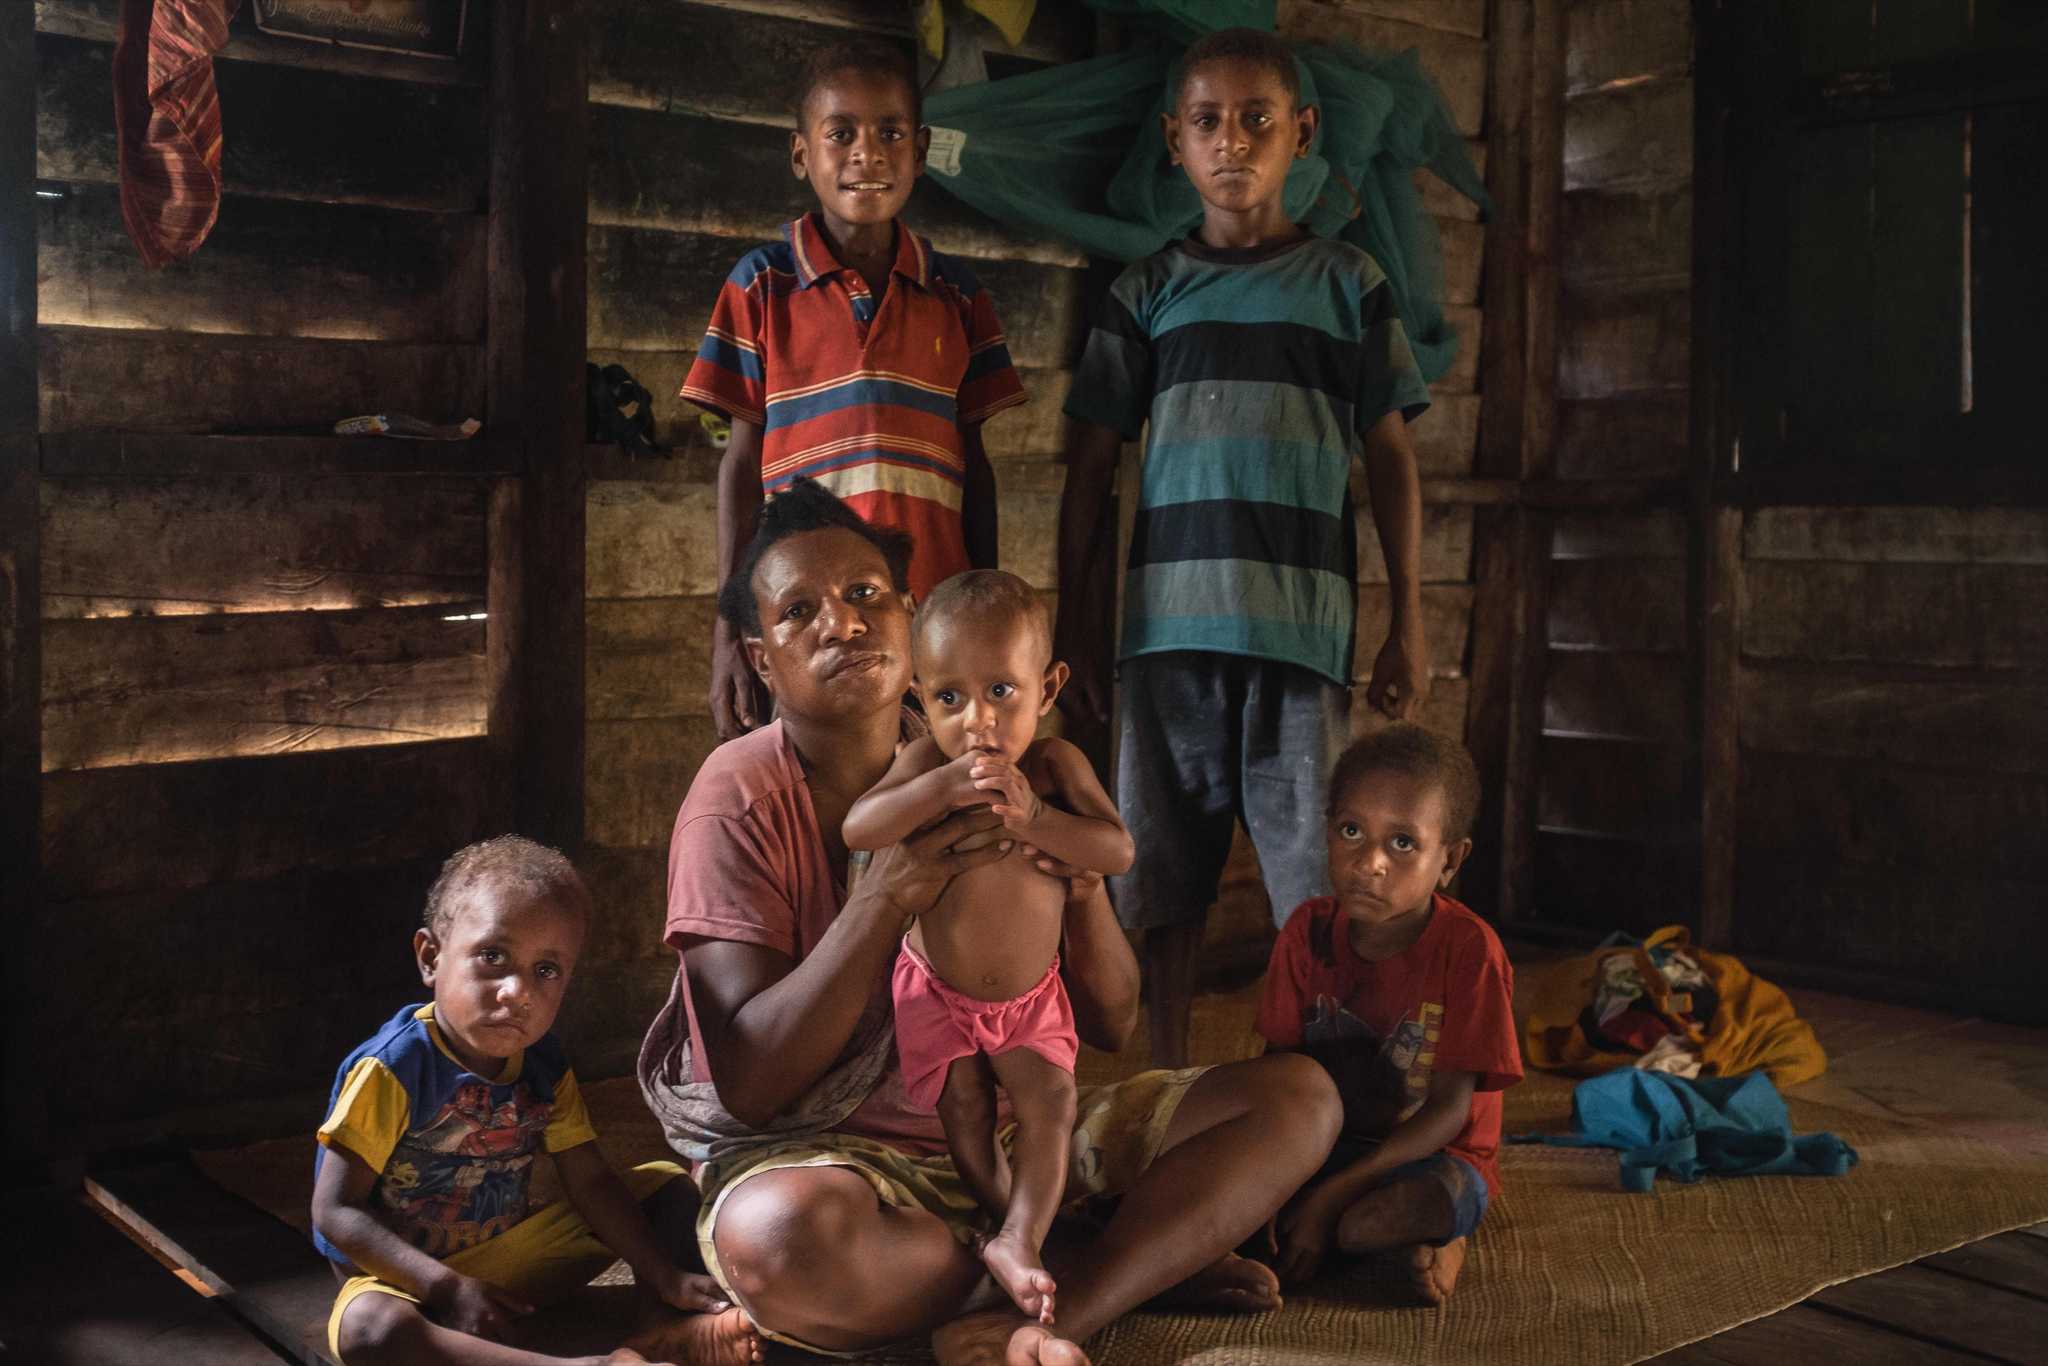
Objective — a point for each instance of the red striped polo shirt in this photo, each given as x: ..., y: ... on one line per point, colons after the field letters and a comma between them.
x: 869, y: 402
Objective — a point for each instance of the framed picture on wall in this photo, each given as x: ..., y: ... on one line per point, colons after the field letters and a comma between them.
x: 420, y: 28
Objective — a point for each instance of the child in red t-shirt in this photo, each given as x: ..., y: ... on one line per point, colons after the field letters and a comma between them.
x: 1406, y: 999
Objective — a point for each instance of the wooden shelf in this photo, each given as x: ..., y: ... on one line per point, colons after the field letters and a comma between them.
x: 174, y: 455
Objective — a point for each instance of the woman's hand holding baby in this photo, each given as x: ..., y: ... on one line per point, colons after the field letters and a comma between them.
x: 909, y: 875
x: 691, y: 1292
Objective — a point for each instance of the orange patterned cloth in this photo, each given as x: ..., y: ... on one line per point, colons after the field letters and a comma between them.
x: 1753, y: 1025
x: 167, y: 113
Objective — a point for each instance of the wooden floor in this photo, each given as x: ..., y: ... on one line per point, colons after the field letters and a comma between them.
x: 251, y: 1293
x: 1987, y: 1302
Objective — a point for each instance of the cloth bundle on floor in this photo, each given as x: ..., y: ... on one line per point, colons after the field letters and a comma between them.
x: 1735, y: 1021
x: 1689, y: 1127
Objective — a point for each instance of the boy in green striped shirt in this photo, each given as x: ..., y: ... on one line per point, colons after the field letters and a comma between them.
x: 1263, y: 358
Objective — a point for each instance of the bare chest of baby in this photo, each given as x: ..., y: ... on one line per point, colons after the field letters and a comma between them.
x: 995, y: 928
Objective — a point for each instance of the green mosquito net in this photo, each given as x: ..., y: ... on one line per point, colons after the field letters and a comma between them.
x: 1074, y: 152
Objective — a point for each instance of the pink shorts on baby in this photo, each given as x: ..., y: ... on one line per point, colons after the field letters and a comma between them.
x: 936, y: 1024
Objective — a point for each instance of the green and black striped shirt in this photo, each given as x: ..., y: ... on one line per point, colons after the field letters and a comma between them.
x: 1259, y: 371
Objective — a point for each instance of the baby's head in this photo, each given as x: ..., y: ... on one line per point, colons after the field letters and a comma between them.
x: 1237, y: 119
x: 1402, y: 802
x: 860, y: 138
x: 503, y: 927
x: 982, y: 653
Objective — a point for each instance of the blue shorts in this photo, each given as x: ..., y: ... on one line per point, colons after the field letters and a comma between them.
x: 1461, y: 1181
x: 1207, y: 740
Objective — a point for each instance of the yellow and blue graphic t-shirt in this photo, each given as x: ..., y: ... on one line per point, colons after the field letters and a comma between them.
x: 454, y: 1151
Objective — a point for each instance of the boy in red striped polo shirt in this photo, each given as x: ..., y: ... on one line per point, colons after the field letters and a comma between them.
x: 851, y: 353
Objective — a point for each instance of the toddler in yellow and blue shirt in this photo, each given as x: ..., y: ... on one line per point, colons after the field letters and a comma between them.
x: 421, y: 1195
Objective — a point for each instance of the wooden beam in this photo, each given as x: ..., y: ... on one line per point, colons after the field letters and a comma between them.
x: 258, y: 543
x: 2019, y: 486
x: 1518, y: 431
x: 178, y: 455
x: 1505, y: 298
x: 1504, y: 716
x: 1717, y: 641
x: 535, y: 358
x: 272, y: 267
x: 1714, y: 532
x: 88, y: 1296
x: 99, y: 21
x: 263, y: 1271
x: 1544, y: 212
x: 21, y: 666
x: 166, y: 689
x: 362, y: 147
x: 136, y: 379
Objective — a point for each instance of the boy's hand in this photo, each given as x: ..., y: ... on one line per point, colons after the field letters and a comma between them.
x: 1300, y: 1237
x: 1400, y: 676
x: 1086, y: 697
x: 691, y: 1292
x: 478, y: 1308
x: 735, y: 697
x: 1015, y: 802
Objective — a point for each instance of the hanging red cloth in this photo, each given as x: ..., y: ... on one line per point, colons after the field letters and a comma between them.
x: 167, y: 118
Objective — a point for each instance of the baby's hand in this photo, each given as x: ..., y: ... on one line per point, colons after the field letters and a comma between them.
x: 961, y: 789
x: 1014, y: 800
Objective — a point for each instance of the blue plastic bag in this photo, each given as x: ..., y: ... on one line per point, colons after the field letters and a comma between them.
x: 1689, y: 1127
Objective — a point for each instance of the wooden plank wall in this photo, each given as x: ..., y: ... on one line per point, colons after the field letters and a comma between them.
x: 689, y: 169
x: 1615, y: 826
x: 1894, y: 762
x: 262, y: 669
x: 1859, y: 711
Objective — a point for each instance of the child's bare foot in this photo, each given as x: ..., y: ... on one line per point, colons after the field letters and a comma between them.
x: 1433, y: 1271
x: 723, y: 1339
x: 1016, y: 1268
x: 1000, y: 1338
x: 1234, y: 1284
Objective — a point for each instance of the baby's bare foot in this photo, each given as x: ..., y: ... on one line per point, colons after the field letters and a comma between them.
x: 1000, y: 1338
x: 1015, y: 1266
x: 723, y: 1339
x: 1433, y: 1271
x: 1234, y: 1284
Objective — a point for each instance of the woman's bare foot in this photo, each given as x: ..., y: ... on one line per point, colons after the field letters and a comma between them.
x: 723, y: 1339
x: 1433, y: 1271
x: 1233, y: 1284
x: 1000, y: 1338
x: 1016, y: 1268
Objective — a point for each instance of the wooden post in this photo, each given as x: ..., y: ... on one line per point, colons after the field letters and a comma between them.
x: 1525, y: 171
x: 539, y: 202
x: 21, y: 753
x: 1714, y: 529
x: 1718, y: 607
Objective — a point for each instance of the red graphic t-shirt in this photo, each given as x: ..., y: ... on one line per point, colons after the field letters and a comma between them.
x: 1383, y: 1030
